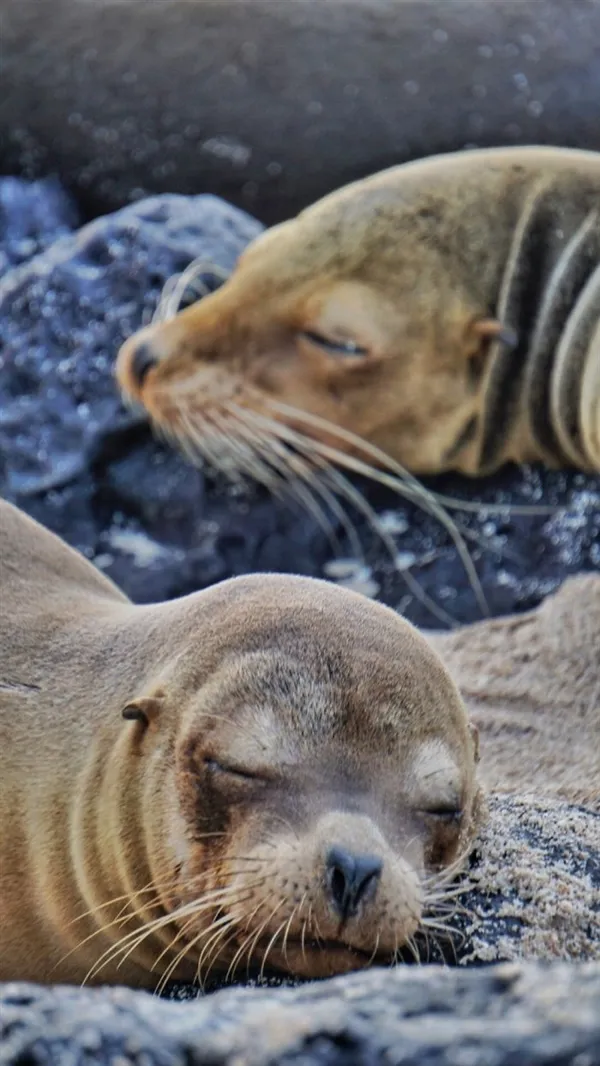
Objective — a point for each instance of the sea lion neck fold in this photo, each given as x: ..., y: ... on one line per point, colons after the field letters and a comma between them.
x: 442, y: 311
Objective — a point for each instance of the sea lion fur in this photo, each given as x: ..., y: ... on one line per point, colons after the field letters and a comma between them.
x: 445, y: 312
x: 272, y: 770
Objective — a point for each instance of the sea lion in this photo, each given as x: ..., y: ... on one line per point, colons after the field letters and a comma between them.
x: 531, y: 683
x: 445, y: 312
x: 272, y: 105
x: 273, y: 769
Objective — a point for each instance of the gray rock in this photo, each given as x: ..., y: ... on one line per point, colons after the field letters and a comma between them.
x: 507, y: 1015
x: 33, y: 214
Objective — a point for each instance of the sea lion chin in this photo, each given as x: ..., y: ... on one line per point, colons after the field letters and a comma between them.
x: 442, y: 314
x: 272, y: 772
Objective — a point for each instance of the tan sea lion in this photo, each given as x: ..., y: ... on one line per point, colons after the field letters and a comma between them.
x: 441, y: 315
x: 274, y: 769
x: 531, y: 683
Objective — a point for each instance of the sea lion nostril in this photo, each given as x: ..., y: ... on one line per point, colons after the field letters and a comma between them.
x: 351, y: 879
x: 143, y: 360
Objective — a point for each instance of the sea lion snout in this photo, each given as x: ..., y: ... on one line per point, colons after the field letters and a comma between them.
x: 351, y: 880
x: 142, y: 360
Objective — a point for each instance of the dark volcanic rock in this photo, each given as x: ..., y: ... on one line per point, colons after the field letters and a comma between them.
x: 33, y: 214
x: 72, y: 457
x: 509, y: 1015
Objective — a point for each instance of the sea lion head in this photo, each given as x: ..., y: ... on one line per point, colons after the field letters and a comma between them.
x: 323, y: 780
x: 369, y: 317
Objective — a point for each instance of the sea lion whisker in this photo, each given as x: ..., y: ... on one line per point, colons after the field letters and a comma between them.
x: 403, y: 481
x: 239, y: 953
x: 218, y: 949
x: 375, y: 949
x: 235, y: 900
x: 120, y: 920
x: 260, y: 931
x: 352, y: 494
x: 456, y: 883
x: 448, y: 874
x: 131, y: 941
x: 200, y: 441
x: 269, y: 458
x: 125, y: 949
x: 483, y: 507
x: 314, y: 465
x: 307, y: 468
x: 249, y: 462
x: 225, y: 920
x: 270, y: 945
x: 443, y: 937
x: 150, y: 887
x: 297, y: 414
x: 431, y: 923
x: 177, y: 285
x: 303, y: 940
x: 345, y: 488
x: 296, y: 911
x: 447, y: 902
x: 304, y: 494
x: 450, y: 526
x: 413, y: 948
x: 246, y: 454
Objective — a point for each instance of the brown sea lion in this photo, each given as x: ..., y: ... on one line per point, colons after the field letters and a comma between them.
x: 274, y: 103
x: 272, y: 770
x: 441, y: 315
x: 531, y: 683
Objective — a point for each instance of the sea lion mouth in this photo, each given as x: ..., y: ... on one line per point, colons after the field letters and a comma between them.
x: 299, y: 955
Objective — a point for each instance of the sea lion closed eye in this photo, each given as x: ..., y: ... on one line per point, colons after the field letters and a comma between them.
x: 274, y: 771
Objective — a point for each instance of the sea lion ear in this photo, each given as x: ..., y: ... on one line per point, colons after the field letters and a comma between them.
x: 145, y: 710
x: 490, y: 329
x: 473, y: 730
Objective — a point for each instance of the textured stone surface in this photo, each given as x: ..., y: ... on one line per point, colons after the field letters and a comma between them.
x: 77, y: 461
x: 33, y: 214
x: 503, y: 1016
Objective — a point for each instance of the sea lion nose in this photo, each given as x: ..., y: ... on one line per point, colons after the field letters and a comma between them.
x: 351, y: 879
x: 142, y: 360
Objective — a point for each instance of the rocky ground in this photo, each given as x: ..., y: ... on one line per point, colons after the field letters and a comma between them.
x: 529, y: 1015
x: 74, y: 458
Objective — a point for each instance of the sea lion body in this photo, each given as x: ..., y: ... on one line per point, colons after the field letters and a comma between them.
x: 294, y: 766
x: 260, y: 102
x: 447, y: 312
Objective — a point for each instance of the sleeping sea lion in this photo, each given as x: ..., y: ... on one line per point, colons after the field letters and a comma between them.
x: 441, y: 315
x: 274, y: 770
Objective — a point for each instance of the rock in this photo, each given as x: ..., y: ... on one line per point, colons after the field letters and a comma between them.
x: 535, y: 879
x: 529, y: 1014
x: 32, y: 216
x: 72, y: 456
